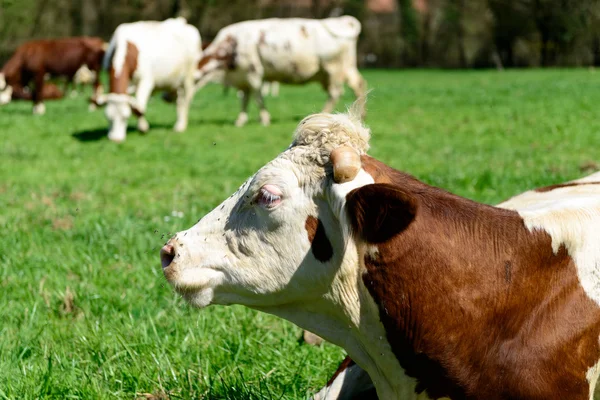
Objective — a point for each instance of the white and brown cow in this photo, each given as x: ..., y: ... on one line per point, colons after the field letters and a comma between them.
x: 247, y: 54
x: 350, y: 381
x: 150, y: 55
x: 460, y: 299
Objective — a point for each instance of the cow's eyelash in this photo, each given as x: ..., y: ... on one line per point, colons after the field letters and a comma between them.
x: 268, y: 196
x: 267, y: 199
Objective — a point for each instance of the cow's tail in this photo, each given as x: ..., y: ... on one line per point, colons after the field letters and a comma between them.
x: 109, y: 52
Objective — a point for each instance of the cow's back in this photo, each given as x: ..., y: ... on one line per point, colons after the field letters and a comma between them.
x: 167, y: 50
x: 62, y: 56
x: 292, y: 50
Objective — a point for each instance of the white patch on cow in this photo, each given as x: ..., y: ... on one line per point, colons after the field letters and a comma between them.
x: 2, y: 81
x: 119, y: 58
x: 575, y: 223
x: 340, y: 191
x: 562, y: 193
x: 592, y: 378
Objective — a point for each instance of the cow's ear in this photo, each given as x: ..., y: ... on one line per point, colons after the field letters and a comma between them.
x: 380, y: 211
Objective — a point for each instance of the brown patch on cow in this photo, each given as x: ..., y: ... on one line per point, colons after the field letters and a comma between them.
x: 562, y: 185
x: 119, y: 84
x: 473, y: 303
x: 320, y: 244
x: 204, y: 60
x: 303, y: 31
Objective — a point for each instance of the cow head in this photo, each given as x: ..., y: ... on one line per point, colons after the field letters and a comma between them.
x: 218, y: 57
x: 281, y: 238
x: 118, y: 110
x: 5, y: 90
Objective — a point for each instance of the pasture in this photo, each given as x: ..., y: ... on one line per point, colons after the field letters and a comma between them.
x: 84, y: 309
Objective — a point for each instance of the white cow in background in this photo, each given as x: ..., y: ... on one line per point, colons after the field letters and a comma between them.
x: 150, y: 55
x: 247, y: 54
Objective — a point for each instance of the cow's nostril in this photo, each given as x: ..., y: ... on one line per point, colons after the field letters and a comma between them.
x: 167, y: 254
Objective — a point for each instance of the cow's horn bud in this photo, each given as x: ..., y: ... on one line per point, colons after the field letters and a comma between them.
x: 346, y: 164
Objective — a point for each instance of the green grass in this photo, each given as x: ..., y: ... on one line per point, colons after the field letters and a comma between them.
x: 84, y: 310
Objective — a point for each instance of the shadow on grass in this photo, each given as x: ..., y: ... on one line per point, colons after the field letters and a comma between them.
x: 92, y: 135
x: 251, y: 120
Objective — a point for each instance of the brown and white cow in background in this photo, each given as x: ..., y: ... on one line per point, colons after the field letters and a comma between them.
x: 350, y: 381
x: 460, y: 299
x: 150, y: 55
x: 56, y: 57
x: 247, y: 54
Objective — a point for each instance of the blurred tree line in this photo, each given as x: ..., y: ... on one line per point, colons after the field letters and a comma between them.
x: 396, y: 33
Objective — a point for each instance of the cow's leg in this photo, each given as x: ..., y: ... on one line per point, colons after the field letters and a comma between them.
x: 356, y: 82
x: 98, y: 89
x: 144, y: 90
x: 37, y: 96
x: 243, y: 116
x: 333, y: 83
x: 184, y: 99
x: 334, y: 91
x: 265, y: 117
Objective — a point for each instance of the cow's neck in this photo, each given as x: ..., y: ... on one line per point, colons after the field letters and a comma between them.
x: 348, y: 317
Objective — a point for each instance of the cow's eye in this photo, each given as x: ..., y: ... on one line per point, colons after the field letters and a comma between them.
x: 269, y: 196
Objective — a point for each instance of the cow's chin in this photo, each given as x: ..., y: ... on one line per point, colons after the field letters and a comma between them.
x: 196, y: 285
x: 200, y: 298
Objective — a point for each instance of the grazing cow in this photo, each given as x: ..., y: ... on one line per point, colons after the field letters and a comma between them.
x: 460, y: 299
x: 350, y: 381
x: 150, y: 55
x: 50, y: 92
x: 55, y: 57
x: 247, y: 54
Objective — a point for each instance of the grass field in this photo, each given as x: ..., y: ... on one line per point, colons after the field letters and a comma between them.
x: 84, y: 310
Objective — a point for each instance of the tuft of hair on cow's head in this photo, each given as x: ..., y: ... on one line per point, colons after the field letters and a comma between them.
x: 324, y: 132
